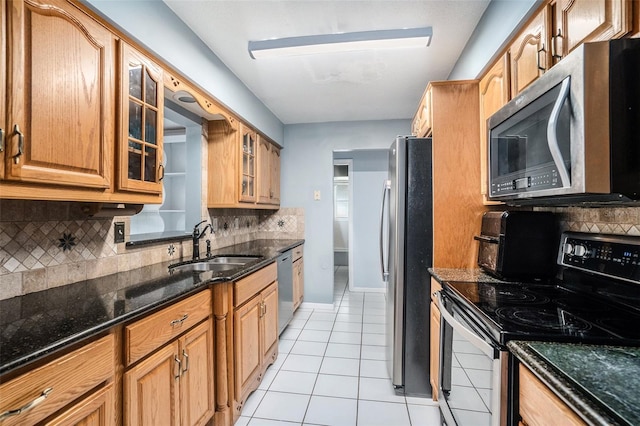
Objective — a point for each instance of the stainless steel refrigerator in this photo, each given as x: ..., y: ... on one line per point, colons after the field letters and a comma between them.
x: 406, y: 251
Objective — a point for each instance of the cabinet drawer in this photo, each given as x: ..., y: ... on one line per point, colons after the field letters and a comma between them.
x: 148, y: 334
x: 66, y: 378
x: 248, y: 287
x: 297, y: 253
x: 539, y: 406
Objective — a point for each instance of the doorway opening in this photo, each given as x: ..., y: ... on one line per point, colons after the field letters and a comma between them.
x: 357, y: 206
x: 342, y: 216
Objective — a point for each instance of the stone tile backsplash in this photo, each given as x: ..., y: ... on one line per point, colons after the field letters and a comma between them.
x: 50, y: 244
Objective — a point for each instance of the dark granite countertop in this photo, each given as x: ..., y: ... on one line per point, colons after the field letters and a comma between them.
x: 600, y: 383
x: 37, y: 324
x: 463, y: 275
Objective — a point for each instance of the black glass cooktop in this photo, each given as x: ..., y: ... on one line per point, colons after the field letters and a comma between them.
x: 547, y: 312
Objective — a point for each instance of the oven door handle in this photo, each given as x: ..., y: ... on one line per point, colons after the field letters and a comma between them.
x: 469, y: 335
x: 552, y: 133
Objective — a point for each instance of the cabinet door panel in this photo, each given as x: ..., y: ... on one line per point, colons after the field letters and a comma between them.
x: 141, y: 134
x: 494, y: 93
x: 529, y: 54
x: 96, y: 410
x: 247, y: 351
x: 3, y: 84
x: 151, y: 389
x: 594, y: 20
x: 61, y: 96
x: 274, y: 178
x: 196, y: 385
x: 270, y: 321
x: 264, y: 171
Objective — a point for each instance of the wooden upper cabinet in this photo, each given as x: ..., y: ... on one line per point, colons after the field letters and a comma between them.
x: 274, y: 178
x: 422, y: 121
x: 494, y: 93
x: 60, y: 96
x: 248, y: 155
x: 141, y: 122
x: 529, y: 53
x: 268, y: 172
x: 243, y: 167
x: 3, y: 82
x: 578, y: 21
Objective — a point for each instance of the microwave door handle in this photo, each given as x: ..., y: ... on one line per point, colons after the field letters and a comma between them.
x: 385, y: 190
x: 552, y: 133
x: 468, y: 335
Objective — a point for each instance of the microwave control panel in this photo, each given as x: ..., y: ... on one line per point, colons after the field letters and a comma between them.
x: 546, y: 178
x: 609, y: 255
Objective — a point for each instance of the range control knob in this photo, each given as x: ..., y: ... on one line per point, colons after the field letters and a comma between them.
x: 567, y: 248
x: 579, y: 250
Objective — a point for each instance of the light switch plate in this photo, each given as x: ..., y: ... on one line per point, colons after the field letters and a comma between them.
x: 316, y: 195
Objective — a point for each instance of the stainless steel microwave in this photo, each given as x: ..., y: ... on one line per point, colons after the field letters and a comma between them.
x: 574, y: 134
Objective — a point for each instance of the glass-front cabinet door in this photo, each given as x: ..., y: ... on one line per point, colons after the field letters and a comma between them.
x: 248, y: 150
x: 141, y: 134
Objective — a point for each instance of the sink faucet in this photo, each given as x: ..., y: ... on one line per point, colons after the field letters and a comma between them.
x: 197, y: 235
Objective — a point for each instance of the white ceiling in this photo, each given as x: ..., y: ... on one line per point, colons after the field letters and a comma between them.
x: 373, y: 85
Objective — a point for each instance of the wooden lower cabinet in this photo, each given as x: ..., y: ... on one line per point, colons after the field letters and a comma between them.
x: 255, y: 332
x: 539, y: 406
x: 59, y: 382
x: 434, y: 341
x: 95, y: 410
x: 298, y: 283
x: 173, y: 386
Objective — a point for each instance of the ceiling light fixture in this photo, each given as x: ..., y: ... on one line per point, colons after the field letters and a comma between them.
x: 342, y: 42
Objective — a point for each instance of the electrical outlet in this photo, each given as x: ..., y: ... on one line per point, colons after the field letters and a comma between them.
x: 214, y: 224
x: 118, y: 232
x: 316, y: 195
x: 236, y: 223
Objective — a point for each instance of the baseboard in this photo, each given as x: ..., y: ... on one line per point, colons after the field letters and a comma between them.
x: 319, y: 306
x: 368, y: 290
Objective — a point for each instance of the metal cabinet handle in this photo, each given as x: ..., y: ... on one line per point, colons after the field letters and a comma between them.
x: 179, y: 321
x: 16, y: 158
x: 39, y: 400
x: 554, y: 49
x: 1, y: 139
x: 178, y: 367
x: 186, y: 361
x: 161, y: 172
x: 542, y: 68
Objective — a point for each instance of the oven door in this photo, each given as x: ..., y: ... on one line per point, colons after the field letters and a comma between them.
x: 470, y: 369
x: 530, y: 150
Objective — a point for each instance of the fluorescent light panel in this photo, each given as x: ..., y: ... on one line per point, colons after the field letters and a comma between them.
x: 343, y: 42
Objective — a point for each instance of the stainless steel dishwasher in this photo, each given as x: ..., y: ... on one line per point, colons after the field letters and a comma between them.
x: 285, y: 289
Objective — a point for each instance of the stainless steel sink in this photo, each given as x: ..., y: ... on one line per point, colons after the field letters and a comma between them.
x: 216, y: 264
x: 233, y: 259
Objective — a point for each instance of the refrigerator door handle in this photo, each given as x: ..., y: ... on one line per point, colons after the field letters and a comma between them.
x: 385, y: 269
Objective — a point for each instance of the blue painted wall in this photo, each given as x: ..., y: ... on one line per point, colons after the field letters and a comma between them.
x: 307, y: 165
x: 499, y: 22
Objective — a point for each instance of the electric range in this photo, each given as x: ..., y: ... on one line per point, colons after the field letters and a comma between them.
x: 594, y: 298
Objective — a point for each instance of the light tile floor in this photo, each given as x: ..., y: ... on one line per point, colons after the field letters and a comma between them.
x: 331, y: 370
